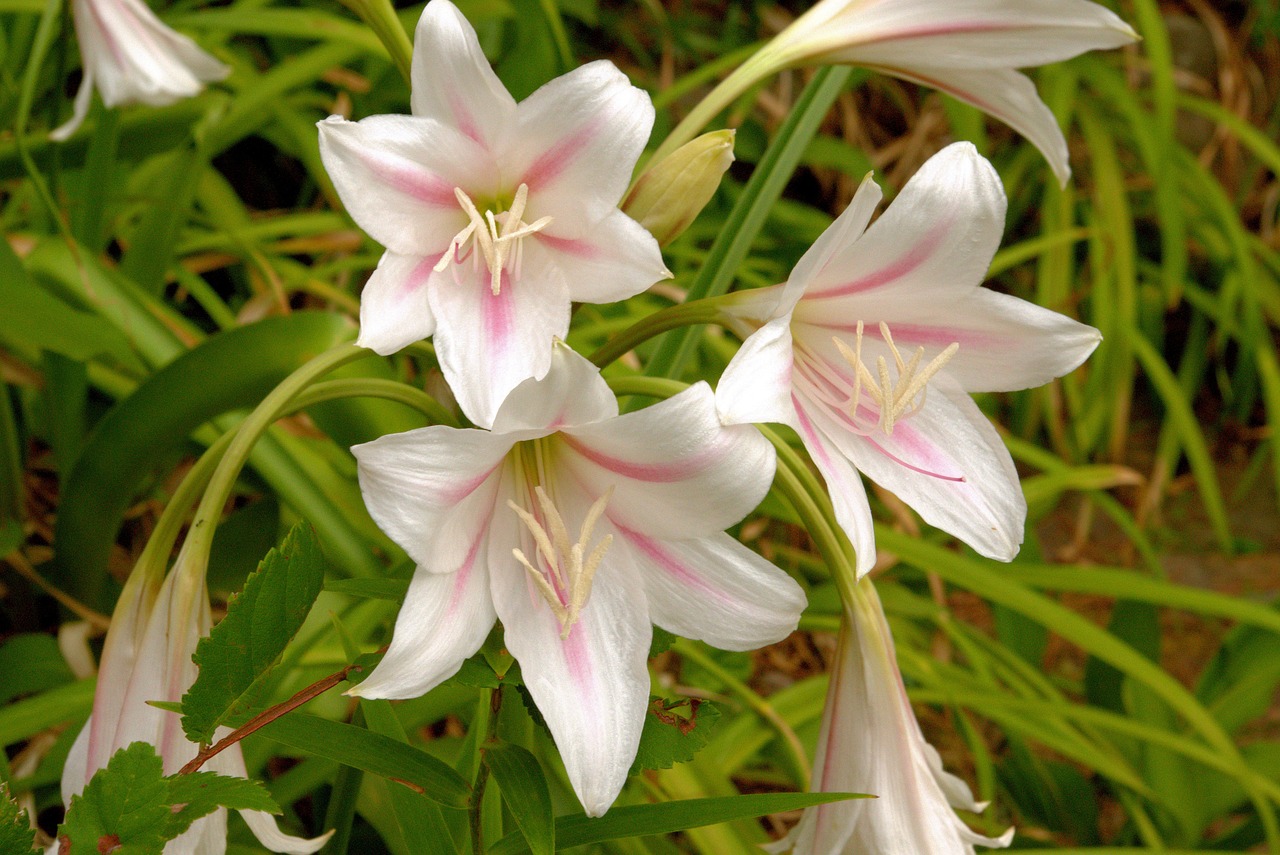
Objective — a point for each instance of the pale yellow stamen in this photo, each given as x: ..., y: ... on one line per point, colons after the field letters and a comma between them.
x: 496, y: 236
x: 571, y: 565
x: 895, y: 401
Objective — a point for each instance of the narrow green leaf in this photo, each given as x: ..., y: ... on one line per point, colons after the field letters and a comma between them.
x: 524, y: 789
x: 31, y: 663
x: 21, y: 719
x: 372, y: 752
x: 375, y: 589
x: 242, y: 649
x: 200, y: 794
x: 123, y: 805
x: 15, y: 832
x: 667, y: 817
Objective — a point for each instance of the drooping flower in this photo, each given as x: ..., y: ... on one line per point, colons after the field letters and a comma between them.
x: 577, y: 527
x: 872, y: 346
x: 133, y: 58
x: 495, y: 215
x: 966, y: 48
x: 870, y: 742
x: 147, y: 657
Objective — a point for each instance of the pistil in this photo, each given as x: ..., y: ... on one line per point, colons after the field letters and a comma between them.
x: 497, y: 236
x: 566, y: 583
x: 896, y: 400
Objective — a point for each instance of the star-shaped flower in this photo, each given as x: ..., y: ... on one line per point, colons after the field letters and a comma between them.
x: 872, y: 346
x: 496, y: 215
x: 577, y: 527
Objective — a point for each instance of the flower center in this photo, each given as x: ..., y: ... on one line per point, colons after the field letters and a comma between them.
x: 895, y: 399
x: 496, y: 236
x: 565, y: 570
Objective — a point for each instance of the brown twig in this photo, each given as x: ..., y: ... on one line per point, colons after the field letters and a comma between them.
x: 267, y: 716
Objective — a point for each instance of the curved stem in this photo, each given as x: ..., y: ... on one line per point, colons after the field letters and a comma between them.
x: 704, y: 311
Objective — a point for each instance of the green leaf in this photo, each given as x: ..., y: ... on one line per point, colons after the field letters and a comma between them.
x: 15, y: 832
x: 373, y: 589
x: 238, y: 655
x: 123, y: 808
x: 201, y: 793
x: 31, y: 663
x: 667, y: 817
x: 372, y: 752
x: 674, y: 732
x: 524, y: 789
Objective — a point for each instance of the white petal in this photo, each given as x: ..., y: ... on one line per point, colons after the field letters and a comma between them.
x: 445, y: 618
x: 756, y: 384
x: 676, y: 471
x: 935, y: 242
x: 75, y: 771
x: 613, y: 259
x: 593, y: 687
x: 715, y: 589
x: 844, y: 484
x: 1005, y: 343
x: 833, y: 245
x: 575, y: 143
x: 432, y: 490
x: 394, y: 311
x: 1007, y: 95
x: 206, y: 836
x: 947, y: 462
x: 967, y: 34
x: 572, y: 393
x: 397, y: 174
x: 488, y: 344
x: 265, y: 827
x: 84, y: 98
x: 452, y: 80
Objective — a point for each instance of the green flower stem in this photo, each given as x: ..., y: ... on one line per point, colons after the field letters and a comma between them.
x: 223, y: 479
x: 795, y: 752
x: 45, y: 33
x: 752, y: 210
x: 375, y: 387
x: 486, y: 722
x: 673, y: 317
x: 751, y: 72
x: 380, y: 16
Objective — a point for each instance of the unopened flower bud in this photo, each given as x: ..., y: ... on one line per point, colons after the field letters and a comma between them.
x: 669, y: 194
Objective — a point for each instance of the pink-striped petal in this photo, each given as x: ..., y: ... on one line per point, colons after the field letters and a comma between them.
x: 613, y: 259
x: 676, y: 471
x: 572, y: 393
x: 432, y: 490
x: 445, y: 618
x: 397, y: 175
x: 490, y: 343
x: 394, y: 310
x: 452, y: 80
x: 593, y: 686
x: 756, y: 384
x: 575, y: 142
x: 714, y: 589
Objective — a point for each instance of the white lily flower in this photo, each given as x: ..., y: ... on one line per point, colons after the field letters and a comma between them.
x: 133, y: 58
x: 577, y: 527
x: 870, y: 742
x: 871, y: 348
x: 495, y: 215
x: 966, y: 48
x: 147, y: 657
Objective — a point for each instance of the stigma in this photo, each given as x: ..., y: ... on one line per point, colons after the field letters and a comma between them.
x: 567, y: 569
x: 497, y: 237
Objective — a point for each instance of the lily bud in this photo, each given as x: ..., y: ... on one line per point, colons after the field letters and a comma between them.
x: 669, y: 194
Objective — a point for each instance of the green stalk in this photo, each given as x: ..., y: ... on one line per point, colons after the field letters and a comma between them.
x: 752, y: 209
x: 39, y: 48
x: 673, y: 317
x: 380, y: 15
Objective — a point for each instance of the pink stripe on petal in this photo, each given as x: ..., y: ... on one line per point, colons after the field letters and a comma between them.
x: 497, y: 311
x: 418, y: 276
x: 653, y: 550
x: 577, y: 656
x: 409, y: 178
x: 464, y: 574
x: 569, y: 246
x: 661, y: 473
x: 955, y: 28
x: 465, y: 121
x: 553, y: 161
x: 909, y: 336
x: 919, y: 447
x: 902, y: 266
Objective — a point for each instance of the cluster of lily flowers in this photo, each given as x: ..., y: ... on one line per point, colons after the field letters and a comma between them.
x: 579, y: 528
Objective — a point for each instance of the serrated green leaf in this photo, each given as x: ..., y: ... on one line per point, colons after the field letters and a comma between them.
x: 673, y: 733
x: 667, y: 817
x: 15, y: 832
x: 245, y: 645
x: 524, y: 789
x: 123, y: 808
x: 372, y: 752
x: 201, y: 793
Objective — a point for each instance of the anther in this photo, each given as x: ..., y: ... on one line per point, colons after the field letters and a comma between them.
x: 895, y: 400
x: 497, y: 236
x: 566, y: 583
